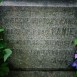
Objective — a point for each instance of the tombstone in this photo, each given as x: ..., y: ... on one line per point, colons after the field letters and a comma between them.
x: 40, y: 37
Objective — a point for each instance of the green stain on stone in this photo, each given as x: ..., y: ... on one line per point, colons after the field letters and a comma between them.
x: 75, y: 42
x: 1, y: 30
x: 1, y: 0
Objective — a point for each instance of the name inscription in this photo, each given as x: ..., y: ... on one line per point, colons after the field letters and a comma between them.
x: 40, y: 37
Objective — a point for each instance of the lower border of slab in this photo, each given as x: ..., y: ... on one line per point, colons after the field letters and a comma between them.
x: 41, y: 74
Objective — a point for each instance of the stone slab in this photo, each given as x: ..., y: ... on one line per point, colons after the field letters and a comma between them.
x: 40, y: 3
x: 40, y: 37
x: 41, y: 74
x: 56, y: 1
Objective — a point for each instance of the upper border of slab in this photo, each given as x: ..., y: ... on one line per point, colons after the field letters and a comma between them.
x: 39, y: 4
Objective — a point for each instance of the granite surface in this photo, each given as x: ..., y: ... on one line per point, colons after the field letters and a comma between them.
x: 40, y: 37
x: 56, y: 1
x: 41, y: 74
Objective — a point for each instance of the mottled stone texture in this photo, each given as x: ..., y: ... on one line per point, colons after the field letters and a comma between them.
x: 41, y: 74
x: 44, y: 1
x: 40, y: 37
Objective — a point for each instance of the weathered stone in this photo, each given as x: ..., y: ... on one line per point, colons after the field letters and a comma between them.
x: 44, y: 1
x: 41, y: 74
x: 40, y: 37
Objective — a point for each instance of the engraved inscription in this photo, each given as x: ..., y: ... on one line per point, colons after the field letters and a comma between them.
x: 40, y: 37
